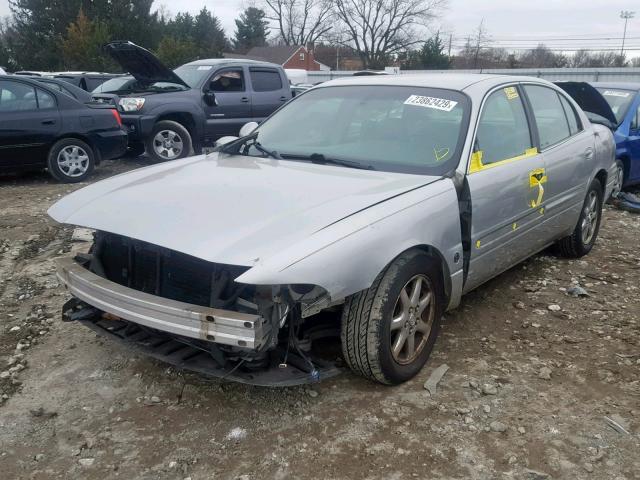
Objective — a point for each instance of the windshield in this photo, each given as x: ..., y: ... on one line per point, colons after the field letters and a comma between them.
x: 113, y: 85
x: 193, y: 75
x: 618, y: 100
x: 391, y: 128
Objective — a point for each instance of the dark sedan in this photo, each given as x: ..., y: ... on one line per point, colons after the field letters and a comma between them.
x: 42, y: 126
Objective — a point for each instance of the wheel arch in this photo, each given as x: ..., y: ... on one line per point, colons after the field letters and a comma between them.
x: 183, y: 118
x: 83, y: 138
x: 601, y: 176
x: 436, y: 254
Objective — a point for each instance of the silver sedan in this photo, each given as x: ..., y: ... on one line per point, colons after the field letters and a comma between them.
x: 365, y: 208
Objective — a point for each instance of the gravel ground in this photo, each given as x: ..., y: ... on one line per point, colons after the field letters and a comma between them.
x: 536, y: 377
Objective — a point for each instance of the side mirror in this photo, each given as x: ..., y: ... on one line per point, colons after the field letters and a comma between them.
x: 210, y: 98
x: 224, y: 140
x: 248, y: 128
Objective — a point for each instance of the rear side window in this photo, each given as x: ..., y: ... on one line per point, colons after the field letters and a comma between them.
x: 551, y: 120
x: 17, y: 97
x: 45, y: 100
x: 265, y: 80
x: 503, y: 130
x: 572, y: 116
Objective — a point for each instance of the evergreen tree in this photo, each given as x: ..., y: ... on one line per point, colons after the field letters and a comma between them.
x: 174, y: 52
x: 251, y: 30
x: 82, y: 46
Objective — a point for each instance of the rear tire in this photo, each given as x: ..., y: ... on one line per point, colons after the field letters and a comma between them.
x: 584, y: 236
x: 619, y: 181
x: 71, y: 160
x: 168, y: 141
x: 375, y: 320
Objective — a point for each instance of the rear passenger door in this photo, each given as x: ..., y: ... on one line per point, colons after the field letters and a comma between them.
x: 233, y: 102
x: 568, y: 152
x: 506, y: 179
x: 29, y: 123
x: 269, y: 91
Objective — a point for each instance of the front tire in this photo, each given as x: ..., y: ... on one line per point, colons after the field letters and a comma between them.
x: 584, y: 236
x: 388, y: 331
x: 70, y: 160
x: 168, y: 141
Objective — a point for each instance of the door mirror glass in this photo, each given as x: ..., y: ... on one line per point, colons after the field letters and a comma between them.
x: 248, y: 128
x: 210, y: 99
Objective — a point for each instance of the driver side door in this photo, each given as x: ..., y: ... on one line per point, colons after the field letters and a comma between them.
x: 505, y: 179
x: 232, y: 108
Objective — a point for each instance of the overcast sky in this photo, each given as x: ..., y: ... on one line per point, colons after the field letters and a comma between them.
x: 506, y: 21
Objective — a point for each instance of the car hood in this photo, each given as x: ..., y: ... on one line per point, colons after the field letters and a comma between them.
x: 589, y: 99
x: 143, y: 65
x: 230, y: 209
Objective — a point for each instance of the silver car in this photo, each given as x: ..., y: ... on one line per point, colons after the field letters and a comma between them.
x: 364, y: 209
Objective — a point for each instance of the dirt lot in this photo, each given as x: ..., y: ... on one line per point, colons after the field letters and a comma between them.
x: 533, y: 374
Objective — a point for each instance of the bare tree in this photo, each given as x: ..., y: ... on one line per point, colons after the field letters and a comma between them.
x: 300, y: 22
x: 379, y: 29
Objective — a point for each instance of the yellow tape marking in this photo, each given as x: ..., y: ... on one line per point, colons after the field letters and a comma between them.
x: 478, y: 244
x: 537, y: 178
x: 440, y: 153
x: 477, y: 165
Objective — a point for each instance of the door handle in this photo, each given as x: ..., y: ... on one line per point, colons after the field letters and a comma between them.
x: 244, y: 100
x: 49, y: 121
x: 537, y: 178
x: 283, y: 98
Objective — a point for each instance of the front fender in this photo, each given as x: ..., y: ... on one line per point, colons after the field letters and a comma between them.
x: 345, y: 257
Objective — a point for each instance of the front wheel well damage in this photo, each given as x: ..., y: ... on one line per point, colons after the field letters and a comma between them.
x: 441, y: 262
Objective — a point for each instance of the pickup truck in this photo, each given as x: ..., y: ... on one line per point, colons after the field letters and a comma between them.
x: 172, y: 114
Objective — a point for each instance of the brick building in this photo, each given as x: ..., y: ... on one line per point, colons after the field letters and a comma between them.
x: 289, y: 56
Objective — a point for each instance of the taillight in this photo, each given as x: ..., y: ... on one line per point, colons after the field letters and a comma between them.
x: 116, y: 115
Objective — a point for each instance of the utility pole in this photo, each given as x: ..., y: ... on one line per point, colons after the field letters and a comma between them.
x: 625, y: 15
x: 450, y: 40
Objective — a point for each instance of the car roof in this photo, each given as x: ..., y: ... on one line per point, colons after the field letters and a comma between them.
x: 230, y: 61
x: 448, y: 81
x: 617, y: 85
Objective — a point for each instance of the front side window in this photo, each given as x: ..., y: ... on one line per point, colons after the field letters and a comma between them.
x: 551, y: 120
x: 265, y: 80
x: 391, y: 128
x: 228, y: 81
x: 503, y: 130
x: 619, y: 100
x: 17, y: 97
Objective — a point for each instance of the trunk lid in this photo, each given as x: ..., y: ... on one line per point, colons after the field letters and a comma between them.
x: 589, y: 99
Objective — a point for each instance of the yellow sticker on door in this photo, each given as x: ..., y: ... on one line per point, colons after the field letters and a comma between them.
x: 537, y: 178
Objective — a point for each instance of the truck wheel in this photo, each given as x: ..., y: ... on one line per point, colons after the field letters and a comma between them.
x: 584, y: 236
x: 388, y: 330
x: 70, y: 160
x: 168, y: 141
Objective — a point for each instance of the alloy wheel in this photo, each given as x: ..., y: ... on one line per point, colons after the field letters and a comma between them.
x: 590, y: 218
x: 168, y: 144
x: 412, y: 319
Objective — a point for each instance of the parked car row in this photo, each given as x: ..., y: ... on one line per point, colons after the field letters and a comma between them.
x: 169, y: 114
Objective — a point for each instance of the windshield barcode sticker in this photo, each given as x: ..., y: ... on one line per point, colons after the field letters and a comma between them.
x: 613, y: 93
x: 431, y: 102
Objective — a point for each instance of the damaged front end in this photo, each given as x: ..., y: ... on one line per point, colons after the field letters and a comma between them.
x: 191, y: 313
